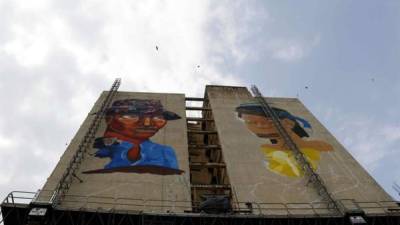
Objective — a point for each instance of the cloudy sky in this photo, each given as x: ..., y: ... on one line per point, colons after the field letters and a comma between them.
x: 57, y: 56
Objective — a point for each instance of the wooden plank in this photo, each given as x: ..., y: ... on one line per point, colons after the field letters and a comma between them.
x: 194, y: 99
x: 204, y: 147
x: 202, y: 132
x: 207, y: 164
x: 210, y: 186
x: 197, y: 119
x: 197, y: 108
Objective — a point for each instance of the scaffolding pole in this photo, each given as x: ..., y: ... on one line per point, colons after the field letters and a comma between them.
x: 313, y: 177
x: 66, y: 180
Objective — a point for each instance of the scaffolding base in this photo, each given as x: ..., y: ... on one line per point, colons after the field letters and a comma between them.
x: 18, y: 214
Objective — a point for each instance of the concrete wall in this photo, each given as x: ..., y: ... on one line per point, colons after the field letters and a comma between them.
x: 129, y: 190
x: 248, y: 170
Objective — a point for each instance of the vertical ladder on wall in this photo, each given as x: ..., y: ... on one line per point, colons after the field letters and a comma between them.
x: 313, y: 177
x: 86, y: 143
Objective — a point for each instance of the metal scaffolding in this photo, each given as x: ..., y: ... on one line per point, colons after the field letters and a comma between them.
x: 66, y: 180
x: 15, y: 209
x: 313, y: 177
x: 207, y: 167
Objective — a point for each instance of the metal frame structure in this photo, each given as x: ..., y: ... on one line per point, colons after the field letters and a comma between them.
x: 203, y: 137
x: 69, y: 174
x: 314, y: 178
x: 15, y: 209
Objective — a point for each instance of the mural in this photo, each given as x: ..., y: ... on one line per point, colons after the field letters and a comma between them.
x: 279, y: 159
x: 130, y: 124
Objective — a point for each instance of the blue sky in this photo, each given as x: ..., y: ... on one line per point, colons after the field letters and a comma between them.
x: 350, y: 66
x: 57, y: 56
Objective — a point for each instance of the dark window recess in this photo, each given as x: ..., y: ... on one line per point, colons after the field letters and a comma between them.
x: 214, y: 180
x: 208, y: 153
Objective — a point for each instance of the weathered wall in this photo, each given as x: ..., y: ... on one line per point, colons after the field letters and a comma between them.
x: 129, y: 190
x: 249, y: 167
x: 250, y: 171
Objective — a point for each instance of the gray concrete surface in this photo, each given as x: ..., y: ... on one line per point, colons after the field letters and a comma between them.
x: 129, y: 191
x: 252, y: 181
x: 249, y: 177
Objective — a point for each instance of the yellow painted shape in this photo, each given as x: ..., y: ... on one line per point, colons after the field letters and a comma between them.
x: 283, y: 162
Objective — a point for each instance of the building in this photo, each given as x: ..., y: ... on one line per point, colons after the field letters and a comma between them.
x: 143, y: 158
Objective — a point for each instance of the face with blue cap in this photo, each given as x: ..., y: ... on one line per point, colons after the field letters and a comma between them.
x: 262, y: 125
x: 279, y: 158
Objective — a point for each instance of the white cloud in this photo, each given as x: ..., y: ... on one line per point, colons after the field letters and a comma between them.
x: 370, y: 140
x: 57, y: 56
x: 391, y: 132
x: 291, y: 50
x: 234, y: 23
x: 6, y: 142
x: 124, y: 40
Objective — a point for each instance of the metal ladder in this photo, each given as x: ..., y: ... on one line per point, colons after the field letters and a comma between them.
x: 314, y: 178
x: 66, y: 180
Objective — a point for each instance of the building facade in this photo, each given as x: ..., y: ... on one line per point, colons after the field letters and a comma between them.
x: 143, y: 158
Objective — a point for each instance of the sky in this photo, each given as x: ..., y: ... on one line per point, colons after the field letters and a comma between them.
x: 57, y: 56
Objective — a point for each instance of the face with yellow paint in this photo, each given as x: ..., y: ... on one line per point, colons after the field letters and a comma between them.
x: 280, y: 161
x: 278, y: 158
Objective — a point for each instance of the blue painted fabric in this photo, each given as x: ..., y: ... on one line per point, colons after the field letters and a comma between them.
x: 151, y: 154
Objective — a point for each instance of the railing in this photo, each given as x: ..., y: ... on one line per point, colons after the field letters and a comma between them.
x: 313, y: 177
x: 77, y: 158
x: 17, y: 198
x: 320, y: 209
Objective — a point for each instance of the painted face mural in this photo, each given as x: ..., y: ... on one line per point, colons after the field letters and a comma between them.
x: 130, y: 124
x: 279, y: 159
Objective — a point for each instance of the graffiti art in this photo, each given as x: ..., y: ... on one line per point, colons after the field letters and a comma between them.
x: 126, y: 140
x: 277, y: 157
